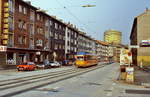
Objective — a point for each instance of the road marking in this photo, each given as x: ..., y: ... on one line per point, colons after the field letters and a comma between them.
x: 109, y: 94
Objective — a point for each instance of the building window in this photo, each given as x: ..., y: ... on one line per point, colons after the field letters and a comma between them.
x: 11, y: 6
x: 41, y: 18
x: 22, y: 40
x: 20, y: 23
x: 75, y: 35
x: 38, y: 17
x: 39, y: 30
x: 24, y: 25
x: 24, y: 10
x: 56, y: 36
x: 11, y: 26
x: 56, y: 46
x: 51, y: 23
x: 32, y: 14
x: 39, y: 42
x: 31, y: 29
x: 20, y: 8
x: 11, y: 42
x: 56, y: 26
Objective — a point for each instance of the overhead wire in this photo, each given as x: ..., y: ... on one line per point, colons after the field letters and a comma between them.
x: 75, y: 17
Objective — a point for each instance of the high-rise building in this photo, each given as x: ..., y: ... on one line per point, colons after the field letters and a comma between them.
x: 113, y: 36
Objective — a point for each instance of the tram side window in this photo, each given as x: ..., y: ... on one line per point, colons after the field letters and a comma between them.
x: 80, y: 58
x: 91, y: 57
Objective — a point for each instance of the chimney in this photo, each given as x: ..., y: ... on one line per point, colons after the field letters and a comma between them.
x: 146, y: 9
x: 28, y: 2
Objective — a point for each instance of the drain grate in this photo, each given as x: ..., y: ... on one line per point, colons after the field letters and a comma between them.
x: 129, y: 91
x: 48, y: 89
x: 92, y: 84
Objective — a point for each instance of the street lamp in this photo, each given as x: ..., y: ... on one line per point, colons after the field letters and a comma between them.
x: 88, y: 5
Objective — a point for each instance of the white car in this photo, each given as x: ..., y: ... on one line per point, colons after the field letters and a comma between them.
x: 55, y: 64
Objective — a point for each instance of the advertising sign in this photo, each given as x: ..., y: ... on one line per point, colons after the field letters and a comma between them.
x: 130, y: 74
x: 125, y: 57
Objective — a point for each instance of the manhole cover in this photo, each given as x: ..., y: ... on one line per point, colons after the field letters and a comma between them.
x: 129, y: 91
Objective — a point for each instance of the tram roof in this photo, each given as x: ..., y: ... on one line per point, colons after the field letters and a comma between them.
x: 82, y: 53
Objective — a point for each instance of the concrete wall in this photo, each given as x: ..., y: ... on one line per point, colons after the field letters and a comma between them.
x: 143, y: 29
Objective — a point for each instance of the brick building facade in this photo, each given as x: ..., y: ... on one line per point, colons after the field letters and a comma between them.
x: 30, y: 34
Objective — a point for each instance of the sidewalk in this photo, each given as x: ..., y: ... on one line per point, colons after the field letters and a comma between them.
x: 142, y: 77
x: 7, y: 67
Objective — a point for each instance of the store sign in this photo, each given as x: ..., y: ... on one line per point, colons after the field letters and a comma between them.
x: 38, y: 53
x: 145, y: 43
x: 3, y: 48
x: 125, y: 57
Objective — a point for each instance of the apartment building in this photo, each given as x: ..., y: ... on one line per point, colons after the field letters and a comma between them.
x: 85, y: 43
x: 57, y: 37
x: 102, y: 50
x: 71, y: 39
x: 28, y: 33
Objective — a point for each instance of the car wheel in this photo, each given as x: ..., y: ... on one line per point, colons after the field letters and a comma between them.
x: 20, y: 69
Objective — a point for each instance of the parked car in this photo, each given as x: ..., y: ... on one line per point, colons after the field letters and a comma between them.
x: 43, y: 66
x: 55, y: 64
x: 26, y: 66
x: 68, y: 63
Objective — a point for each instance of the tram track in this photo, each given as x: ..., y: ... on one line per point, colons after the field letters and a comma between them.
x: 15, y: 88
x: 17, y: 80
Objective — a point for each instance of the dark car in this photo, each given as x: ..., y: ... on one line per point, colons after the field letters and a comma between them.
x: 43, y: 66
x: 68, y: 63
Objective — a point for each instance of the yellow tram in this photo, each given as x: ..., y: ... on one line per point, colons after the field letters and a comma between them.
x: 85, y: 59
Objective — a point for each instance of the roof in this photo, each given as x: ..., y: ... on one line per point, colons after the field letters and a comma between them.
x: 143, y: 13
x: 102, y: 42
x: 135, y: 21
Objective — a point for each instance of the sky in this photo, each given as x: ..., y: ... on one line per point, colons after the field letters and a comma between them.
x: 107, y: 14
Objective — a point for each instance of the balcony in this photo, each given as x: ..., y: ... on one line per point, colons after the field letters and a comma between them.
x: 6, y: 26
x: 6, y: 4
x: 5, y: 36
x: 39, y: 45
x: 6, y: 20
x: 5, y: 42
x: 6, y: 10
x: 31, y: 46
x: 6, y: 15
x: 6, y: 31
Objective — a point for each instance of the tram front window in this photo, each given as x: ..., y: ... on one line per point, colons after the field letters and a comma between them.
x: 80, y: 58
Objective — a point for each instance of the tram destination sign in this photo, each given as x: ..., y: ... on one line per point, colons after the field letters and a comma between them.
x: 3, y: 48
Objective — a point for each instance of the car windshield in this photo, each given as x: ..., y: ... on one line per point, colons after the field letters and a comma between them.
x: 51, y: 62
x: 24, y: 64
x: 30, y: 63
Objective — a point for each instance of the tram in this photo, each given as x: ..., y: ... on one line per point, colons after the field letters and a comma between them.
x: 83, y: 59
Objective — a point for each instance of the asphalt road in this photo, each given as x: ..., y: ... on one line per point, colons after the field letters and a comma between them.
x: 98, y: 83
